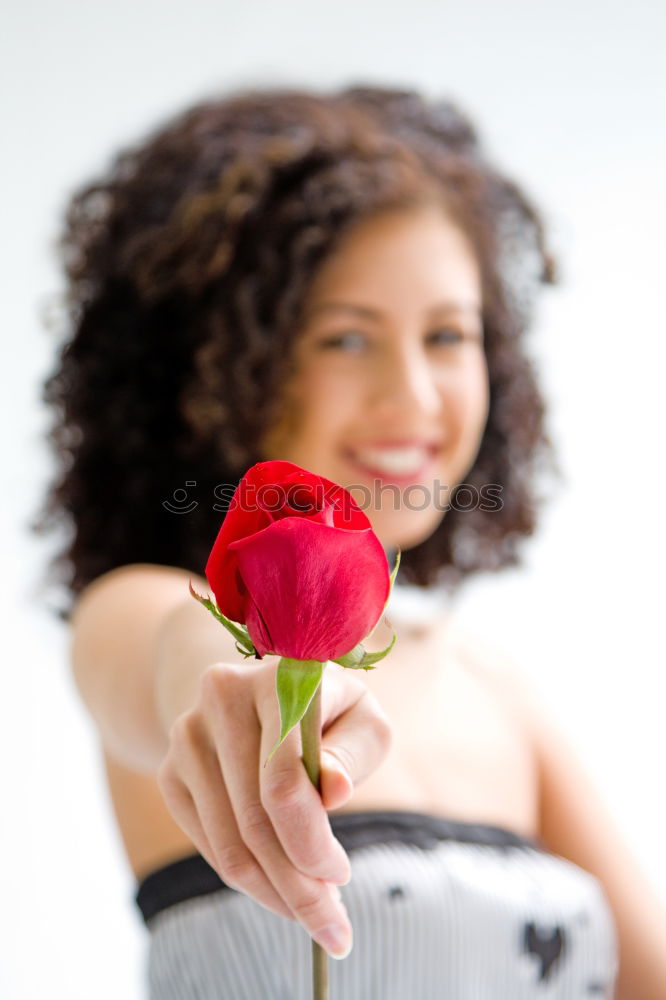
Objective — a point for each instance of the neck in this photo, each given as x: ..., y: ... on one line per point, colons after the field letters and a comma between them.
x: 408, y: 628
x: 412, y: 612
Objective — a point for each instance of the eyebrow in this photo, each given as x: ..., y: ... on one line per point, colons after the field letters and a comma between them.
x: 449, y: 305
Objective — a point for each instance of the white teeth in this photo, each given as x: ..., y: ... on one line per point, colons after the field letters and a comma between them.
x: 401, y: 461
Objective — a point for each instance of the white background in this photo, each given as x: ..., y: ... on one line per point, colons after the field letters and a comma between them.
x: 570, y: 98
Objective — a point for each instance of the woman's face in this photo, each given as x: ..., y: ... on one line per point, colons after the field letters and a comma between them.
x: 390, y: 393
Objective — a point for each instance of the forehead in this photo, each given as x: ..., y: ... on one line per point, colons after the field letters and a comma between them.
x: 416, y: 253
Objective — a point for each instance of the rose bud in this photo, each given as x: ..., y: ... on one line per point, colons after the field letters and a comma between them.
x: 297, y: 562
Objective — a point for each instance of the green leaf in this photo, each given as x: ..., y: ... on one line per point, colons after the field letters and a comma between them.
x: 358, y: 658
x: 296, y: 682
x: 239, y: 632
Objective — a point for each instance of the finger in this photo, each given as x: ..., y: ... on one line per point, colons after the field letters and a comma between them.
x: 354, y: 743
x: 234, y: 862
x: 295, y: 807
x: 181, y: 806
x: 336, y: 786
x: 245, y: 737
x: 209, y: 811
x: 238, y: 742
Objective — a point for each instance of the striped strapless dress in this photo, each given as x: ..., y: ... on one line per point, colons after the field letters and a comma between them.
x: 441, y: 910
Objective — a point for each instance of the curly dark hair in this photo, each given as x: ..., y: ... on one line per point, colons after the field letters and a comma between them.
x: 187, y: 265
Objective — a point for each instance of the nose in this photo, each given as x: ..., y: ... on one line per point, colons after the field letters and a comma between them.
x: 407, y: 382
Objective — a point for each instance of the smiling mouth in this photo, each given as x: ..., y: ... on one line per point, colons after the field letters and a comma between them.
x: 396, y: 465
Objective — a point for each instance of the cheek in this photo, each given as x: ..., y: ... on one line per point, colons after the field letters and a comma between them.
x: 465, y: 401
x: 475, y: 396
x: 327, y: 401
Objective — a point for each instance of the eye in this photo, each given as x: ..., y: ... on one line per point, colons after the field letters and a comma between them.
x: 445, y: 336
x: 351, y: 341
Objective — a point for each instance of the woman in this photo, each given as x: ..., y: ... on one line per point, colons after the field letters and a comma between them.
x: 345, y: 282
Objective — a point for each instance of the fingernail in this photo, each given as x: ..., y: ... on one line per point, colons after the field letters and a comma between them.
x: 343, y: 879
x: 341, y: 876
x: 336, y: 939
x: 330, y: 760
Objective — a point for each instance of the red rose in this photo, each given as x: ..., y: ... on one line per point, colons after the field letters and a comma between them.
x: 297, y: 562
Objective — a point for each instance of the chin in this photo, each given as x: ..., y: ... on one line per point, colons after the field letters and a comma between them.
x: 402, y: 532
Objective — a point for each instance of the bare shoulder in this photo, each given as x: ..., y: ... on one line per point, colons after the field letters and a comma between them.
x: 147, y: 582
x: 128, y: 605
x: 119, y: 627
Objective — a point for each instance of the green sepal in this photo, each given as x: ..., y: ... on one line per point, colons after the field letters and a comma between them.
x: 247, y: 655
x: 393, y: 575
x: 296, y: 682
x: 357, y: 658
x: 239, y: 632
x: 353, y: 657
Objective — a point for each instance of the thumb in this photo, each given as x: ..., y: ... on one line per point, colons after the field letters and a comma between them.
x: 336, y: 783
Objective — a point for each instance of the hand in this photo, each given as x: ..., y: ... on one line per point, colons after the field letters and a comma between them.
x: 264, y: 829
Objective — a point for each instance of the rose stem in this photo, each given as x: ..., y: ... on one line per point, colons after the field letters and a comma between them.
x: 311, y: 740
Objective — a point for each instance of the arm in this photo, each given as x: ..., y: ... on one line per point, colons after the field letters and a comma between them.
x: 172, y: 697
x: 132, y: 627
x: 576, y: 824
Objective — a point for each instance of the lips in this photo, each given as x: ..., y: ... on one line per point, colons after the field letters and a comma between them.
x: 399, y: 462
